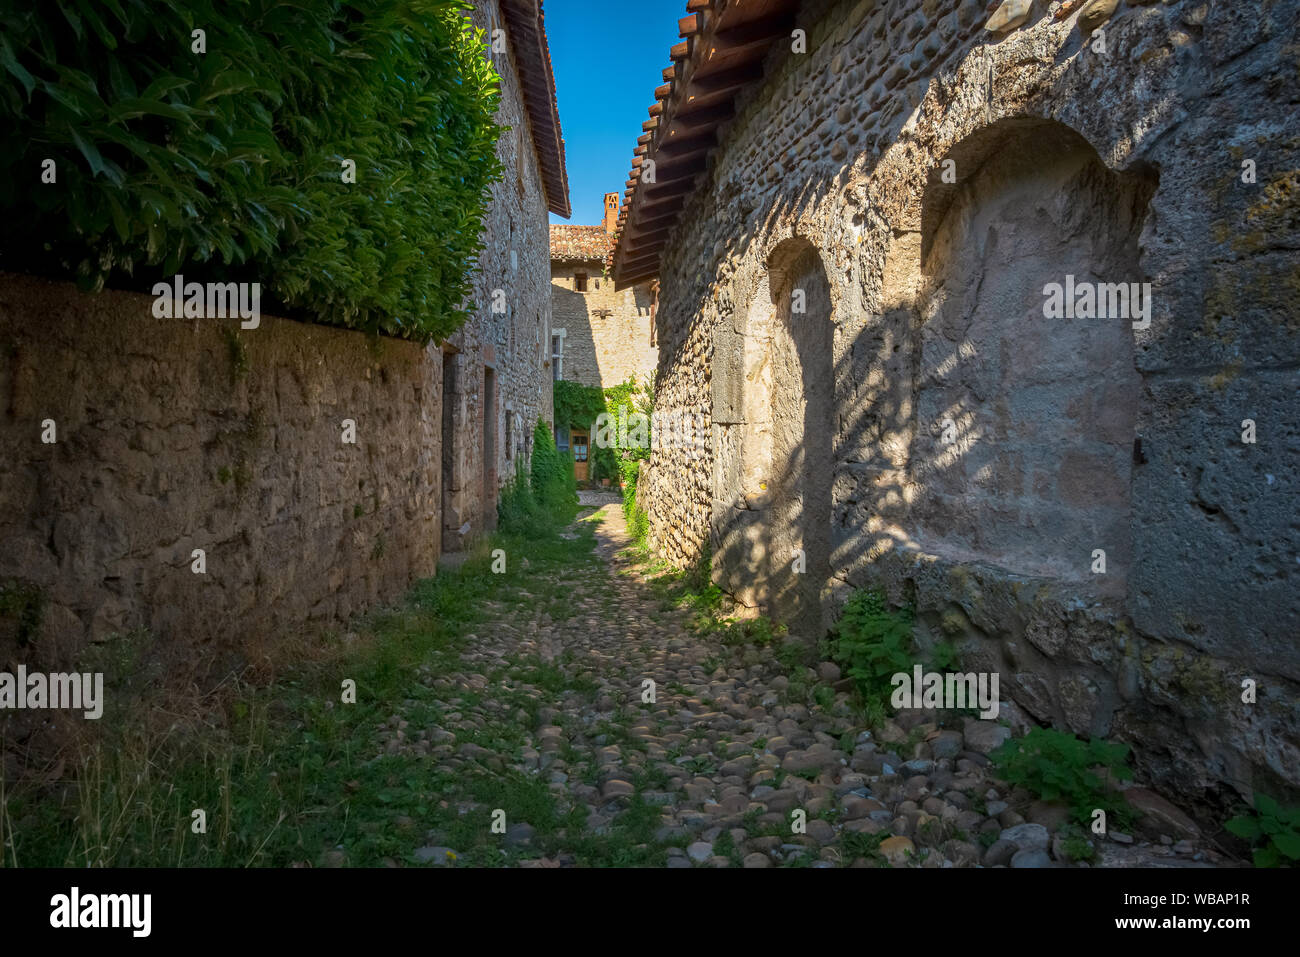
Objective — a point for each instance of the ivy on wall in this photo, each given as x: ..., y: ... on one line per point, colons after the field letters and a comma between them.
x: 578, y: 406
x: 146, y: 137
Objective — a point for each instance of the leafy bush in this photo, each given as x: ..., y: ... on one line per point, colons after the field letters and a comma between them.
x: 233, y: 158
x: 517, y: 507
x: 543, y: 496
x: 1274, y: 829
x: 872, y: 643
x: 758, y: 632
x: 552, y: 474
x: 1057, y: 766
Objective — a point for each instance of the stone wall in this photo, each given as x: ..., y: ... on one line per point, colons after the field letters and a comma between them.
x: 176, y: 435
x: 982, y: 455
x: 508, y: 335
x: 171, y: 435
x: 608, y: 336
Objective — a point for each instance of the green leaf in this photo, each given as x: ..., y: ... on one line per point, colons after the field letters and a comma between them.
x: 1266, y: 857
x: 1288, y: 844
x: 140, y: 106
x: 89, y: 151
x: 11, y: 64
x: 1244, y: 827
x: 1265, y: 805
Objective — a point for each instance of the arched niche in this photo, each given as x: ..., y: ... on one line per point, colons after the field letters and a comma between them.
x: 773, y: 395
x: 1024, y: 441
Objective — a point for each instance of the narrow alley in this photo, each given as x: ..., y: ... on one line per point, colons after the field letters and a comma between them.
x: 539, y: 746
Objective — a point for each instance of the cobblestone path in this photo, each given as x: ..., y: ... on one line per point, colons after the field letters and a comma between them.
x: 546, y: 754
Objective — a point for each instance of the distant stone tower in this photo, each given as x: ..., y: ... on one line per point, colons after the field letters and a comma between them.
x: 611, y: 213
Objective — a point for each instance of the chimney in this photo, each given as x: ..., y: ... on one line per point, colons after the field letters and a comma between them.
x: 611, y: 213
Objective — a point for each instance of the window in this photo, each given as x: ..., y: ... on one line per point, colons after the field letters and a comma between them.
x: 562, y: 438
x: 580, y: 281
x: 557, y: 357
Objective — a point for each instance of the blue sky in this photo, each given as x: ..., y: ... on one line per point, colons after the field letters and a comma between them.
x: 608, y: 57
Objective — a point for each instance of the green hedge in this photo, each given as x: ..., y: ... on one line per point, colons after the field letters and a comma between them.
x: 544, y: 494
x: 233, y: 158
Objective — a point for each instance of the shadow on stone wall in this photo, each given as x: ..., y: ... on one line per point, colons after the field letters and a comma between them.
x: 988, y: 527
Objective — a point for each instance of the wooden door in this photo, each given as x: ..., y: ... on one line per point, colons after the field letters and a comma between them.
x: 581, y: 469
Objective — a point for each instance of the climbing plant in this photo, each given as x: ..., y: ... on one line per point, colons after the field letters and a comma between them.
x: 143, y: 138
x: 579, y: 406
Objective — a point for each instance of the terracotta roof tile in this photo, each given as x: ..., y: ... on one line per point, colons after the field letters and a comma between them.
x: 723, y: 51
x: 574, y: 243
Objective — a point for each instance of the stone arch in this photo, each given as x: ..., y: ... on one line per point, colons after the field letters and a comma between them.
x: 1024, y: 442
x: 773, y: 397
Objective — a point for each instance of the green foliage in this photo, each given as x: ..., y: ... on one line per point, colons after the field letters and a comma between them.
x: 577, y: 405
x: 552, y: 474
x: 1057, y: 766
x: 944, y: 657
x: 1273, y: 829
x: 1078, y: 847
x: 872, y: 643
x: 638, y: 523
x: 759, y: 632
x: 580, y: 407
x: 233, y: 158
x: 517, y: 508
x: 22, y: 606
x: 542, y: 497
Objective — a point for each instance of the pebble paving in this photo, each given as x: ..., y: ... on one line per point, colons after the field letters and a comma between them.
x: 725, y: 768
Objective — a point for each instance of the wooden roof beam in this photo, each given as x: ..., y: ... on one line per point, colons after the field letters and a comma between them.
x: 754, y: 33
x: 680, y: 143
x: 641, y: 265
x: 650, y: 226
x: 705, y: 118
x: 725, y: 81
x: 644, y: 239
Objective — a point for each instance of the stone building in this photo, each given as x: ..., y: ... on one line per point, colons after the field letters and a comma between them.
x: 495, y: 381
x: 601, y: 336
x: 997, y: 313
x: 175, y: 442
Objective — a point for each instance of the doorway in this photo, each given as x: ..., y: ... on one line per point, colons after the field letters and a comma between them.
x: 581, y: 469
